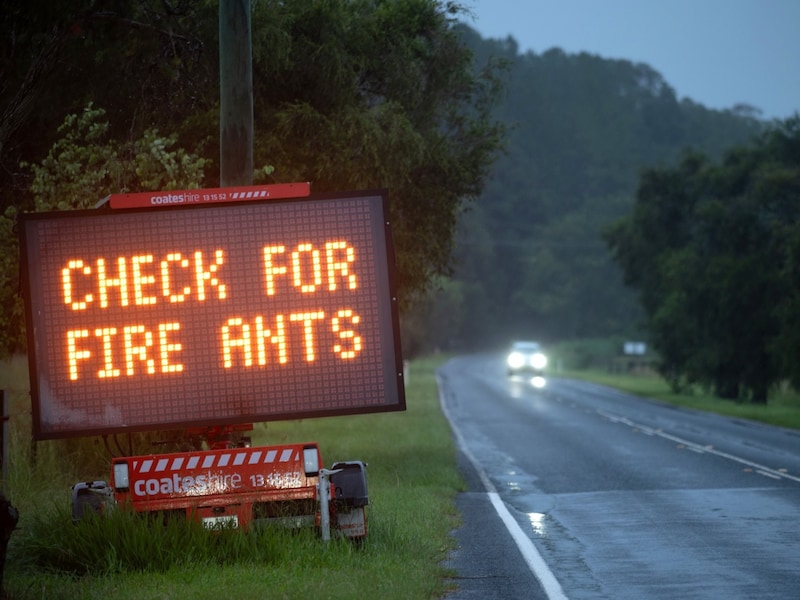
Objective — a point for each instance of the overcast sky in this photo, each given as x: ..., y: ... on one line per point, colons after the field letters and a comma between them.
x: 717, y: 52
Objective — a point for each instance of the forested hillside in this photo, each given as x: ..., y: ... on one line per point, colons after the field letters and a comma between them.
x: 530, y: 259
x: 353, y: 95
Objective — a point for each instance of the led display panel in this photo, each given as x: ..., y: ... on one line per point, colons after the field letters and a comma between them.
x: 186, y: 316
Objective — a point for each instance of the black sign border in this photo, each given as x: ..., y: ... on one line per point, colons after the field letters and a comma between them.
x: 42, y: 433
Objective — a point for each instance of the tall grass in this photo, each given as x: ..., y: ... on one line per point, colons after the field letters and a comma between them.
x: 412, y: 481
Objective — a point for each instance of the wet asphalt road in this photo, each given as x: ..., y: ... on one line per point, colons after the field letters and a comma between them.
x: 622, y: 498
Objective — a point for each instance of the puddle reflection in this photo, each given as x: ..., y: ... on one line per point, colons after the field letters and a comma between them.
x: 537, y: 521
x: 521, y: 385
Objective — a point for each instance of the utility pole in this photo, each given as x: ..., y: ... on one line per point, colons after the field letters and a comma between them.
x: 236, y: 94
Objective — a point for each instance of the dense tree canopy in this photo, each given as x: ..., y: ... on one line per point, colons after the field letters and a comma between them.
x: 712, y: 250
x: 348, y: 94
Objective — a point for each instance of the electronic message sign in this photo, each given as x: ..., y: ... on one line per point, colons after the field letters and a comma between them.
x: 210, y: 314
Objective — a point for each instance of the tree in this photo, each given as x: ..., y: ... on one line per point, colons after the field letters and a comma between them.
x: 348, y: 94
x: 580, y: 130
x: 82, y: 167
x: 140, y: 61
x: 382, y: 94
x: 711, y: 250
x: 85, y: 165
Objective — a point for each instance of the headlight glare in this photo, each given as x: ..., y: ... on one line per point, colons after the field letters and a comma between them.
x: 516, y: 360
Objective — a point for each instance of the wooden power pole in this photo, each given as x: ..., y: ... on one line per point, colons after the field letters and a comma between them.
x: 236, y: 93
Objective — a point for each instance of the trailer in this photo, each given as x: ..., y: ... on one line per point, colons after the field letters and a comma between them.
x: 238, y: 487
x: 207, y: 311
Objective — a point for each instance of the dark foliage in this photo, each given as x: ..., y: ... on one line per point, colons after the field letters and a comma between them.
x: 347, y: 95
x: 712, y: 250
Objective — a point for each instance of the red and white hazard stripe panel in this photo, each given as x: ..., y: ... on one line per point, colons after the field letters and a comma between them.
x: 206, y: 460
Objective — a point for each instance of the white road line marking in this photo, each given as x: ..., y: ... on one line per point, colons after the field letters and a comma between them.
x: 700, y: 448
x: 534, y: 560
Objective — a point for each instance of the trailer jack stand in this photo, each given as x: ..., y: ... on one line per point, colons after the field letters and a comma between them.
x: 324, y: 501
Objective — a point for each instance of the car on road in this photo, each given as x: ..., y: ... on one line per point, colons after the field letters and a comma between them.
x: 526, y: 358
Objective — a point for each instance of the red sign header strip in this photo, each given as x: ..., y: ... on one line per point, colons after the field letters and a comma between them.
x: 172, y: 198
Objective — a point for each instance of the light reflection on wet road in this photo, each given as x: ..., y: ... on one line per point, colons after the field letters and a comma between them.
x: 626, y: 498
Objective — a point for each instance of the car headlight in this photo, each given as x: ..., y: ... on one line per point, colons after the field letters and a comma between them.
x: 539, y: 361
x: 516, y: 360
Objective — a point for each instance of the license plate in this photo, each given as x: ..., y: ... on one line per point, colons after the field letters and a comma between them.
x: 352, y: 523
x: 223, y: 522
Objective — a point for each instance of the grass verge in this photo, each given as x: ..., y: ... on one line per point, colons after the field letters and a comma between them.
x: 412, y: 479
x: 782, y: 410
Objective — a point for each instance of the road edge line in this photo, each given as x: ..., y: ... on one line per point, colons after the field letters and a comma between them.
x: 532, y: 556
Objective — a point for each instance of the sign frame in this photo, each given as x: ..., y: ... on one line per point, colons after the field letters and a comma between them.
x: 378, y: 387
